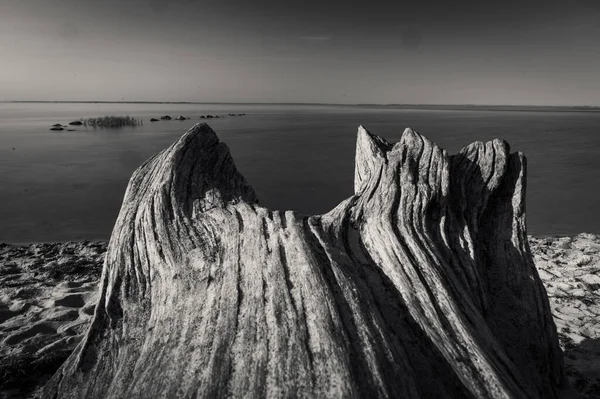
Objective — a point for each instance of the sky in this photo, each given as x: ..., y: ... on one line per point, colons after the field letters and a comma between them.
x: 526, y: 52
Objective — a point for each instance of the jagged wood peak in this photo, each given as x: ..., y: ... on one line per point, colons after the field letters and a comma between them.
x: 420, y: 285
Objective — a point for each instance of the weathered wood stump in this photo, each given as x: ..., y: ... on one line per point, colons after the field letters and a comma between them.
x: 421, y: 285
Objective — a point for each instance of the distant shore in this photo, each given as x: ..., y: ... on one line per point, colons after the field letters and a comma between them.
x: 437, y: 107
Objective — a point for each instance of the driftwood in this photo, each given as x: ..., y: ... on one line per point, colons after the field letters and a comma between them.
x: 421, y: 285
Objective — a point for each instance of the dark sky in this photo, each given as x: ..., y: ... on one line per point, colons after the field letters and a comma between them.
x: 479, y: 52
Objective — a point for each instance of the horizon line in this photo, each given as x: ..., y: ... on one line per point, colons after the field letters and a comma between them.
x: 305, y: 103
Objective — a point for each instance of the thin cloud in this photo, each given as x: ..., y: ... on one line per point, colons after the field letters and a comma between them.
x: 316, y: 38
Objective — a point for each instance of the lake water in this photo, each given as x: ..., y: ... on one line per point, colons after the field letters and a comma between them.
x: 58, y: 186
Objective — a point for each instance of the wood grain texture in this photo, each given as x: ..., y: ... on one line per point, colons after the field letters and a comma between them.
x: 421, y: 285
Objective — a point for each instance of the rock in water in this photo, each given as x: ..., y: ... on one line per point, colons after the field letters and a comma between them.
x: 421, y: 285
x: 76, y: 123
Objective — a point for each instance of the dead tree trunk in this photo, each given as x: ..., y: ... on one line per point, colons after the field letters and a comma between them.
x: 421, y: 285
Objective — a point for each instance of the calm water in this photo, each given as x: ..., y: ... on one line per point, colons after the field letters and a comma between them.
x: 69, y: 185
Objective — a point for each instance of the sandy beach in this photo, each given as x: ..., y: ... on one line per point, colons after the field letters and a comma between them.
x: 570, y: 270
x: 48, y: 294
x: 47, y: 299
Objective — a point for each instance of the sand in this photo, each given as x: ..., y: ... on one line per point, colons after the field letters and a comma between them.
x: 570, y: 270
x: 48, y: 294
x: 47, y: 299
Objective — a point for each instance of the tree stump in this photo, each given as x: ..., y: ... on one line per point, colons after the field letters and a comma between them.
x: 421, y: 285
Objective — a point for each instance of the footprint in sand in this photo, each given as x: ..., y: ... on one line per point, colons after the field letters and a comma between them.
x: 71, y: 301
x: 6, y: 314
x: 32, y: 331
x: 17, y: 308
x: 68, y: 315
x: 71, y: 284
x: 27, y: 293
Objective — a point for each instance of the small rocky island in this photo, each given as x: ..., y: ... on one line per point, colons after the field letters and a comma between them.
x: 122, y: 121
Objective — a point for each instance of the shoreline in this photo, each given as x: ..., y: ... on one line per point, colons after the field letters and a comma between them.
x: 106, y: 240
